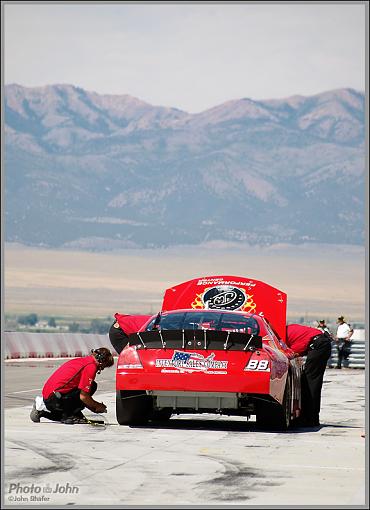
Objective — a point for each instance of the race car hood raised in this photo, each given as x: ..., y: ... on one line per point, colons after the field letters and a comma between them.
x: 233, y: 293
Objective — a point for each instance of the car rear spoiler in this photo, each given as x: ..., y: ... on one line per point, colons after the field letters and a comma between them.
x: 230, y: 293
x: 196, y: 339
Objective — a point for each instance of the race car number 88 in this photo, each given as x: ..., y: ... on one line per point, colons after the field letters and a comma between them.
x: 255, y: 364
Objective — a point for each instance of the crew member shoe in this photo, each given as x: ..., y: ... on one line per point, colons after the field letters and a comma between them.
x: 35, y: 415
x: 68, y: 421
x: 81, y: 417
x: 81, y: 420
x: 75, y: 420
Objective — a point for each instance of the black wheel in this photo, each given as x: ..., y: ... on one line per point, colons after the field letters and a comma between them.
x: 273, y: 416
x: 162, y: 414
x: 133, y: 407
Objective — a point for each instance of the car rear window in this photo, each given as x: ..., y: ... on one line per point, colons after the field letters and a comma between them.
x: 206, y: 320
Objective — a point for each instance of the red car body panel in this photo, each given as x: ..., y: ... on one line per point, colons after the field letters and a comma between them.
x: 156, y: 376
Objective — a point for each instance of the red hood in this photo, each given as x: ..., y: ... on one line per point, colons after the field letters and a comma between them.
x: 231, y: 293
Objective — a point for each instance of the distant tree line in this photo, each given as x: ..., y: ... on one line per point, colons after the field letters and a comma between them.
x: 32, y: 321
x: 99, y: 326
x: 28, y: 320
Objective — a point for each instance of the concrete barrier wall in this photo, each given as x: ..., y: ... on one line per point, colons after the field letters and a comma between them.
x: 356, y: 359
x: 52, y: 345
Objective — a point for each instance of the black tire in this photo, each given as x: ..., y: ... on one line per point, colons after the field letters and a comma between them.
x: 133, y: 407
x: 162, y: 414
x: 273, y: 416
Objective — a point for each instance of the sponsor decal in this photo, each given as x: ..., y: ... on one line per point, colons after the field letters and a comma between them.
x: 221, y: 281
x: 191, y: 362
x: 224, y: 297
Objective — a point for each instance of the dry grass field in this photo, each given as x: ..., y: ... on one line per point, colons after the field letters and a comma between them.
x: 321, y: 281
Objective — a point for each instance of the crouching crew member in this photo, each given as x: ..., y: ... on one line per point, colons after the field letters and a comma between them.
x: 70, y: 388
x: 316, y: 345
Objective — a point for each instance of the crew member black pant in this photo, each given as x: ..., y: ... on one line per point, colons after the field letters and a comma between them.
x: 70, y: 404
x: 318, y: 354
x: 117, y: 337
x: 343, y: 350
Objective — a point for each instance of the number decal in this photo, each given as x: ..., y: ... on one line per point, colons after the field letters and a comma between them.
x: 263, y: 364
x: 260, y: 365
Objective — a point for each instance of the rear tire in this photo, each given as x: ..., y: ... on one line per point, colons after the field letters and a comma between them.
x: 273, y: 416
x: 133, y: 407
x: 162, y: 414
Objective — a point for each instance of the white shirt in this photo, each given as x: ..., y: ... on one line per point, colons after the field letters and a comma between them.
x: 343, y: 330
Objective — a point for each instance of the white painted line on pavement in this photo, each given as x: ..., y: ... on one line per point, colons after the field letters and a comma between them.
x: 25, y: 391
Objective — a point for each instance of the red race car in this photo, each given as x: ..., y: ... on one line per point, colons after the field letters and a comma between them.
x: 217, y: 346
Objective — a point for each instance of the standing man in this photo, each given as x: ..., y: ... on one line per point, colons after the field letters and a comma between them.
x: 323, y: 326
x: 70, y: 388
x: 316, y: 345
x: 343, y: 339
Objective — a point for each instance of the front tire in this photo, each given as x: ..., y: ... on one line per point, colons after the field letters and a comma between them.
x: 133, y: 407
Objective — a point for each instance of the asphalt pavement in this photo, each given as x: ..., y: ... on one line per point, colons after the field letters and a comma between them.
x: 200, y: 460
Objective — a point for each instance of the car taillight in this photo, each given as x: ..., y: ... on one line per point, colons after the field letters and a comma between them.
x: 129, y: 358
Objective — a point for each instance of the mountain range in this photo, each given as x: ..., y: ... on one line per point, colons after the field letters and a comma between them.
x: 92, y: 171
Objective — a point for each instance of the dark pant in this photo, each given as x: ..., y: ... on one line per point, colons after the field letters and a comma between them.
x: 343, y: 350
x: 69, y: 404
x: 318, y: 354
x: 117, y: 337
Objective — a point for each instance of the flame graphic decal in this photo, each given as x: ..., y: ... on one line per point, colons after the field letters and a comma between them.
x: 250, y: 305
x: 198, y: 301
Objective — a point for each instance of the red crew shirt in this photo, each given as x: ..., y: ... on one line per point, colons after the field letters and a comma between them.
x: 299, y: 337
x: 84, y: 369
x: 131, y: 323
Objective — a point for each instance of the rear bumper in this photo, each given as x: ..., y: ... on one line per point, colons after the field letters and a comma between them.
x: 201, y: 383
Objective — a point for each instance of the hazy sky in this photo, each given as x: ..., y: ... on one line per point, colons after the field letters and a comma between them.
x: 188, y: 56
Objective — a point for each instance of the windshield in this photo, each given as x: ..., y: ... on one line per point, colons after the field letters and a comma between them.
x: 206, y: 320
